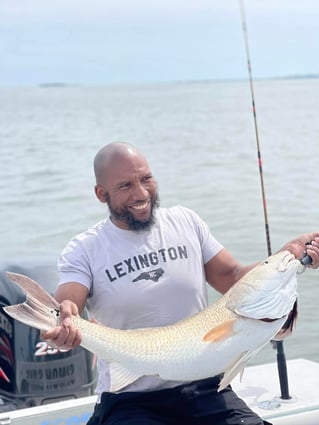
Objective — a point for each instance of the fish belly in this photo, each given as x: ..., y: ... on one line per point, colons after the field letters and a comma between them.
x: 178, y: 354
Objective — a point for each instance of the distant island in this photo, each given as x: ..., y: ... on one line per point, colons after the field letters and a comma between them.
x: 278, y: 77
x: 296, y: 77
x: 53, y: 85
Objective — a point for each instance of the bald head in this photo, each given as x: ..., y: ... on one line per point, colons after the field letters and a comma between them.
x: 110, y: 156
x: 125, y: 182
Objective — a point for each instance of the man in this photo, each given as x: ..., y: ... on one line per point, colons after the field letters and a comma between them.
x: 147, y: 266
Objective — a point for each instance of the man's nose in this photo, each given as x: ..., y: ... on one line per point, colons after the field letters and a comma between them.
x: 139, y: 191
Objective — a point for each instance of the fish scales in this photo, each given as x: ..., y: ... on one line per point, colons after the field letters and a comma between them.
x: 219, y: 339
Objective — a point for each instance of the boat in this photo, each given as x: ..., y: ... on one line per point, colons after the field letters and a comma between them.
x: 259, y: 389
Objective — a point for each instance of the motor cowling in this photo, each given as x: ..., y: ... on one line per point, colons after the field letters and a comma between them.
x: 31, y: 372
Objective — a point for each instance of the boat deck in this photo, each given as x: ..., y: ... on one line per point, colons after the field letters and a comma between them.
x: 259, y: 388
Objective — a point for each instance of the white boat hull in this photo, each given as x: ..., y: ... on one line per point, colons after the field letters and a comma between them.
x: 259, y: 387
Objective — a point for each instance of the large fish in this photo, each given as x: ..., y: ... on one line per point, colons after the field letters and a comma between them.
x: 219, y: 339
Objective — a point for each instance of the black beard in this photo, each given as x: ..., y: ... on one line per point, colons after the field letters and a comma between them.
x: 128, y: 218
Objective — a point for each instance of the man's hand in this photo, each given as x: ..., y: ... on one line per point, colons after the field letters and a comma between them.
x: 307, y: 243
x: 66, y: 335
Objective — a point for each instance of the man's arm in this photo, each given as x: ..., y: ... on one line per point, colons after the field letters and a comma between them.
x: 222, y: 271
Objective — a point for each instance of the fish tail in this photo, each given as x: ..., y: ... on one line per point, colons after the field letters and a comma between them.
x: 39, y: 310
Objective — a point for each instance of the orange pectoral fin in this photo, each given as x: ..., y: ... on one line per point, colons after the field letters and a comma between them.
x: 220, y: 332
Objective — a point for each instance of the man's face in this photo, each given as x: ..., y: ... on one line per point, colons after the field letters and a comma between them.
x: 130, y: 192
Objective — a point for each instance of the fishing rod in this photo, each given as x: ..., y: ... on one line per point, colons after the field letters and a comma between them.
x: 281, y: 358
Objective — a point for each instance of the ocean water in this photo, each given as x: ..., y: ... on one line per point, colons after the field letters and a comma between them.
x: 200, y: 142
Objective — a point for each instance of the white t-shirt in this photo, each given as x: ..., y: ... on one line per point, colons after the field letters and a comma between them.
x: 142, y: 279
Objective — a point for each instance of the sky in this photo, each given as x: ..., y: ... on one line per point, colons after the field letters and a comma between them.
x: 99, y: 42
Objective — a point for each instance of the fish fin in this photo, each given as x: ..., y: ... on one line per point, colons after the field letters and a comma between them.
x: 290, y: 323
x: 237, y: 367
x: 220, y: 332
x: 40, y: 310
x: 32, y: 289
x: 120, y: 377
x: 30, y: 315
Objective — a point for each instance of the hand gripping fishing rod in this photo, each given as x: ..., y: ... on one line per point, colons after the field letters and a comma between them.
x: 281, y: 359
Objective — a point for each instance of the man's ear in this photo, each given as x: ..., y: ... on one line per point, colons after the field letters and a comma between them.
x: 100, y: 193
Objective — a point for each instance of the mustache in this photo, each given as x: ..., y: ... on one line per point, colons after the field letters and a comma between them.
x: 127, y: 217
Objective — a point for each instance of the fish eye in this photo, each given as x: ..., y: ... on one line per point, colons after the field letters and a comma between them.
x: 266, y: 262
x: 55, y: 311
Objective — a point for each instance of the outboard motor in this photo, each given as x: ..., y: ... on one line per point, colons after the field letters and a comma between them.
x: 31, y: 372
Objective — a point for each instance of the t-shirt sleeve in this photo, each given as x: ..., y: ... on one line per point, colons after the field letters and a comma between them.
x: 73, y: 264
x: 209, y: 244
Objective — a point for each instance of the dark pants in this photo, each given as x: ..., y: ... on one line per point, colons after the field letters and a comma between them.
x: 196, y: 403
